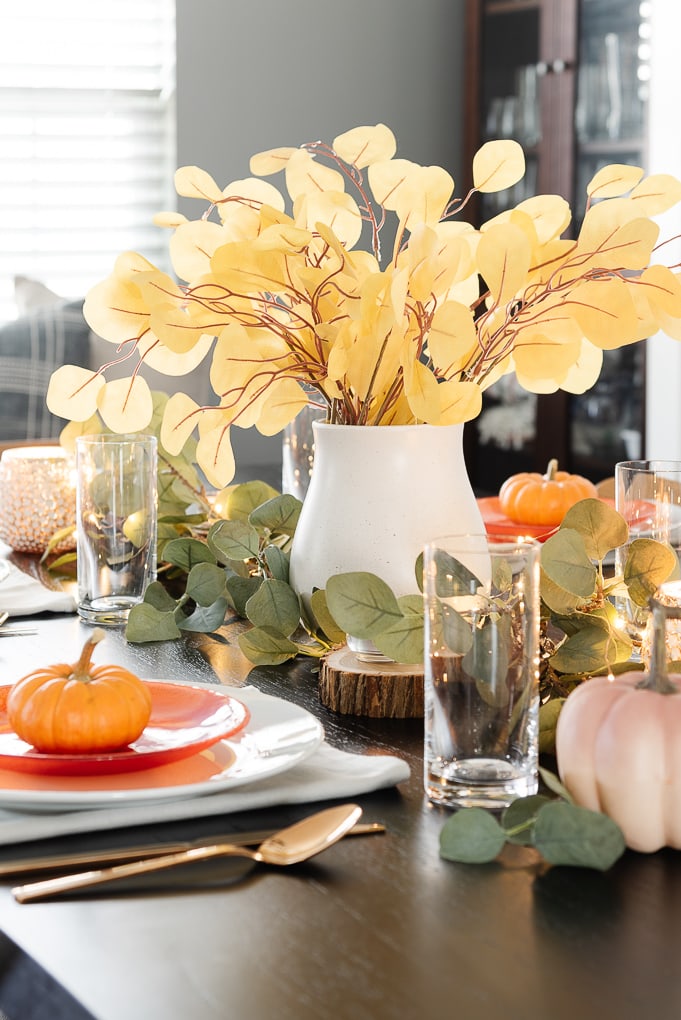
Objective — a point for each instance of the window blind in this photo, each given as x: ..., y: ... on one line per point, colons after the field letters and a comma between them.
x: 87, y: 147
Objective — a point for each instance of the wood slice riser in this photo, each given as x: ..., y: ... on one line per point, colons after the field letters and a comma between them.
x: 382, y: 690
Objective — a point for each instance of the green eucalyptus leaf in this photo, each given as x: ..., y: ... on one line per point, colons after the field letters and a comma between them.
x: 186, y: 553
x: 502, y: 575
x: 146, y: 623
x: 240, y: 590
x: 488, y: 659
x: 206, y: 619
x: 471, y: 836
x: 243, y: 499
x: 279, y: 515
x: 362, y: 604
x: 453, y: 577
x: 403, y: 641
x: 564, y: 560
x: 521, y: 815
x: 591, y: 650
x: 601, y: 526
x: 233, y: 540
x: 418, y: 571
x: 456, y: 631
x: 324, y: 619
x: 266, y: 647
x: 570, y: 835
x: 277, y: 562
x: 648, y: 565
x: 548, y: 720
x: 553, y: 783
x: 157, y: 595
x: 274, y: 605
x: 206, y: 583
x: 556, y: 598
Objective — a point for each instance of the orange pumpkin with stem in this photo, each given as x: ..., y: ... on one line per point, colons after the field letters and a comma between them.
x: 79, y: 708
x: 531, y: 498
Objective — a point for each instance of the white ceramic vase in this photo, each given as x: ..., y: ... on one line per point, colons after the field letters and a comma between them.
x: 377, y: 495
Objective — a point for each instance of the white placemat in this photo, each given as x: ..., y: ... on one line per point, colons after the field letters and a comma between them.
x: 327, y: 774
x: 23, y: 595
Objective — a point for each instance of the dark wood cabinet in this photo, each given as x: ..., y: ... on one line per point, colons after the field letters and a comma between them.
x: 568, y: 80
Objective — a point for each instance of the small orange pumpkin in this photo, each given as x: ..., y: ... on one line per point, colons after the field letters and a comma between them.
x: 78, y: 708
x: 531, y: 498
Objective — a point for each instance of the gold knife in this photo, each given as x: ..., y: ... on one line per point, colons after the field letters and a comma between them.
x: 74, y: 861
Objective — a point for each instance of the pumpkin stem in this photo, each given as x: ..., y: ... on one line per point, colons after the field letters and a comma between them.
x: 551, y: 469
x: 81, y: 669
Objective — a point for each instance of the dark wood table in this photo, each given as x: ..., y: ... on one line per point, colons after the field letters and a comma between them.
x: 376, y: 928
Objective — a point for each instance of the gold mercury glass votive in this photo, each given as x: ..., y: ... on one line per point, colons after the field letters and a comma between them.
x: 37, y: 497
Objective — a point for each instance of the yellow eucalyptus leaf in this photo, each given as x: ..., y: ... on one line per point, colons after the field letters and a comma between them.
x: 582, y: 375
x: 192, y: 182
x: 605, y: 312
x: 504, y: 255
x: 337, y: 211
x: 285, y: 399
x: 74, y: 429
x: 552, y: 318
x: 214, y: 418
x: 263, y: 164
x: 536, y: 357
x: 130, y: 265
x: 614, y: 180
x: 192, y: 246
x: 417, y: 194
x: 422, y: 392
x: 179, y: 421
x: 550, y: 215
x: 605, y: 243
x: 365, y: 145
x: 498, y: 165
x: 251, y: 191
x: 168, y: 219
x: 72, y: 392
x: 115, y: 310
x: 159, y: 357
x: 215, y: 457
x: 245, y: 268
x: 305, y: 175
x: 459, y: 401
x: 452, y: 337
x: 656, y: 194
x: 388, y: 179
x: 126, y: 405
x: 173, y: 325
x: 662, y: 290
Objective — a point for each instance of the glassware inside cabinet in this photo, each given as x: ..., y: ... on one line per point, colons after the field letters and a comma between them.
x: 510, y: 93
x: 613, y: 75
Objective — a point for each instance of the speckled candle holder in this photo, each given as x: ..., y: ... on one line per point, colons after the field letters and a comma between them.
x: 37, y: 497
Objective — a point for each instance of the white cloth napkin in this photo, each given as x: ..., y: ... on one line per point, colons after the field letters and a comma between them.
x: 326, y: 774
x: 23, y: 595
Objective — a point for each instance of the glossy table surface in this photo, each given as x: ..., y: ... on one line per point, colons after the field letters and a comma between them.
x: 378, y: 927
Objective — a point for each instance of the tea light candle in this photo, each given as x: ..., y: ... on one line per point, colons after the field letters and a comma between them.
x: 37, y: 497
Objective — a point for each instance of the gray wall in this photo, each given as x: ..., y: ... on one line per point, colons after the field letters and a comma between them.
x: 254, y: 74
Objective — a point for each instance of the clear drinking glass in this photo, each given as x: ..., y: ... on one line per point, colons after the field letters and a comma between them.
x: 481, y: 670
x: 116, y: 496
x: 648, y: 495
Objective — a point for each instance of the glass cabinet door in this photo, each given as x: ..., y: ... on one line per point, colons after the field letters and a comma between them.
x: 607, y: 423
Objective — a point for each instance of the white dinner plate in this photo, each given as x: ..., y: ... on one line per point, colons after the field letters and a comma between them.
x: 278, y: 736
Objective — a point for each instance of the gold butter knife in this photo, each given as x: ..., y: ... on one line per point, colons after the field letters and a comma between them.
x: 73, y: 861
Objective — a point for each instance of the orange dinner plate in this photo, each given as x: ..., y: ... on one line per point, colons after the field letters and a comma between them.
x: 185, y: 719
